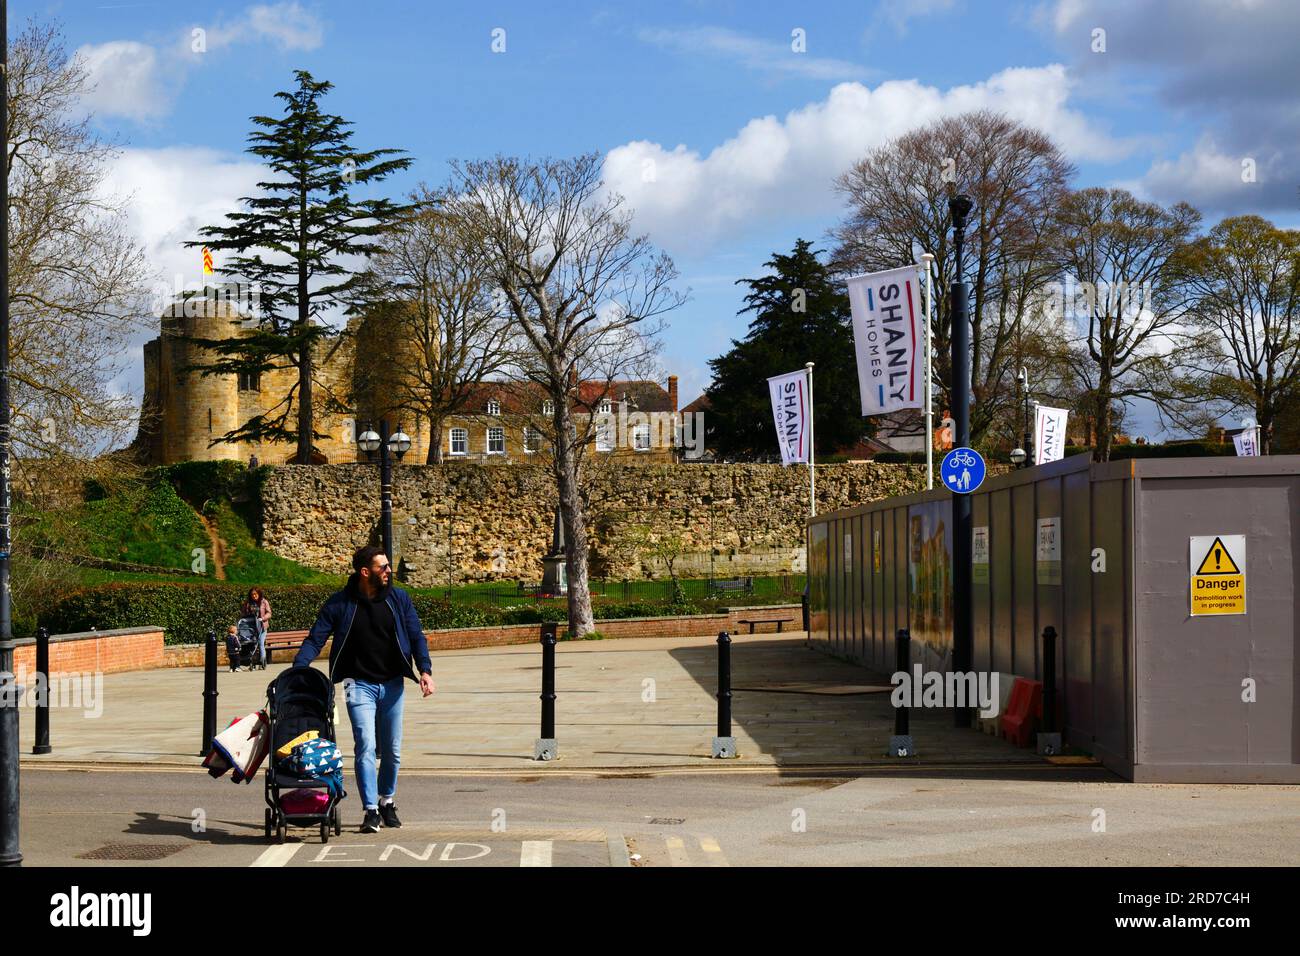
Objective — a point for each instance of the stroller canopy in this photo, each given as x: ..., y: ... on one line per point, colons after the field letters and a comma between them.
x: 301, y: 699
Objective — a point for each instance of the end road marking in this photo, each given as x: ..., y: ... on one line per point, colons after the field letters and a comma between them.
x: 677, y: 852
x: 712, y: 852
x: 277, y: 855
x: 535, y: 853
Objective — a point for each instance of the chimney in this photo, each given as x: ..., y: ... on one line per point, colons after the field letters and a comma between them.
x: 672, y: 391
x: 573, y: 377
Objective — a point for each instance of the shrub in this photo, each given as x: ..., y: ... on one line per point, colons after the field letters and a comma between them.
x: 187, y: 611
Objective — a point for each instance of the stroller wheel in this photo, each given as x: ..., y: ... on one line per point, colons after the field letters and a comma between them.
x: 334, y: 817
x: 267, y: 829
x: 324, y: 832
x: 279, y: 833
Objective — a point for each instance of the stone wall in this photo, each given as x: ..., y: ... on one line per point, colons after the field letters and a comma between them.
x: 462, y: 522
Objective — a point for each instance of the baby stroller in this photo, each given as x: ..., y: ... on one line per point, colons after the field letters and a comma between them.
x: 300, y: 699
x: 244, y: 647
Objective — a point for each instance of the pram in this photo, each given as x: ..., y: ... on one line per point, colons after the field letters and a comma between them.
x: 299, y: 699
x: 244, y: 647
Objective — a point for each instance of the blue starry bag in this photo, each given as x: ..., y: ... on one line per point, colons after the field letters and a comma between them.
x: 316, y: 758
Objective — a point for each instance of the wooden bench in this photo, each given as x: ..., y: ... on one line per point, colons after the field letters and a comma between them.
x: 282, y: 640
x: 778, y: 621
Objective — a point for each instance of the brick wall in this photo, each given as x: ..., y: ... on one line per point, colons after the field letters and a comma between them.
x: 700, y: 625
x: 105, y: 652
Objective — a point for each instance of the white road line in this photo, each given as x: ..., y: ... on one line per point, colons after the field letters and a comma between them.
x: 712, y: 852
x: 677, y: 851
x: 535, y: 853
x: 277, y: 855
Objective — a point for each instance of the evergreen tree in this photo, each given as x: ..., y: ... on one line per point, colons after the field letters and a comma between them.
x: 801, y: 315
x: 291, y: 245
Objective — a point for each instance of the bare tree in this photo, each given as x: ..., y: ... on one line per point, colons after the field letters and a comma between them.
x: 78, y: 284
x: 1122, y: 260
x: 898, y: 210
x: 586, y: 298
x: 78, y: 289
x: 1246, y: 280
x: 448, y: 330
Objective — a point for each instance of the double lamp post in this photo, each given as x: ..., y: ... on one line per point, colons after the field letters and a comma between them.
x: 388, y: 446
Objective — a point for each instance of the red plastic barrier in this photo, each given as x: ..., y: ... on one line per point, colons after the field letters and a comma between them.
x: 1024, y: 711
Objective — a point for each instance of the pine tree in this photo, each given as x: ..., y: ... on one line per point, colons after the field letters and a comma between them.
x: 801, y: 315
x: 291, y: 244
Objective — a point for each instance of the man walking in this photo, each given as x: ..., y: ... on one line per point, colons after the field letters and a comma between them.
x: 378, y: 644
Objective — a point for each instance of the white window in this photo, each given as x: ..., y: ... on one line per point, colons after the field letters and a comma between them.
x: 459, y: 443
x: 532, y: 440
x: 641, y: 437
x: 605, y: 434
x: 548, y: 407
x: 496, y: 441
x: 605, y: 406
x: 494, y: 406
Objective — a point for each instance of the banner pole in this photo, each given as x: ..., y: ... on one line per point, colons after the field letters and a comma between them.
x: 812, y: 480
x: 928, y: 258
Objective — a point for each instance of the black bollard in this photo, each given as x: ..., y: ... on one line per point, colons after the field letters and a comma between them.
x: 903, y: 664
x: 43, y: 700
x: 209, y: 693
x: 1049, y: 679
x: 1049, y: 738
x: 900, y: 744
x: 724, y: 744
x: 545, y: 748
x: 807, y: 620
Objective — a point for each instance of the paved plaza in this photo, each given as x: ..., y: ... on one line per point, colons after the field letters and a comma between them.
x: 622, y: 704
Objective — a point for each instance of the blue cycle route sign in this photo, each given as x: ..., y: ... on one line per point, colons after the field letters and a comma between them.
x: 962, y: 470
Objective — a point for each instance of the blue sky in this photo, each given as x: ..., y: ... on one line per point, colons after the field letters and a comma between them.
x: 743, y: 132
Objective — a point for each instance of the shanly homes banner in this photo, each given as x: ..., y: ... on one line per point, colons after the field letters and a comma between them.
x: 888, y: 337
x: 790, y: 407
x: 1049, y: 434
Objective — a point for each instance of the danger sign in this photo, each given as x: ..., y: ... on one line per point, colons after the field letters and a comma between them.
x: 1218, y: 574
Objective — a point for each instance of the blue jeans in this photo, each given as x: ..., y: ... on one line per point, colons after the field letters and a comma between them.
x: 376, y: 714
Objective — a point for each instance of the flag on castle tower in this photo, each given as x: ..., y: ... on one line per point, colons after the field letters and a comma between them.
x: 207, y: 261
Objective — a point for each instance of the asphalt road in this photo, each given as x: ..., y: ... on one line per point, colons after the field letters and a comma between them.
x: 1012, y: 816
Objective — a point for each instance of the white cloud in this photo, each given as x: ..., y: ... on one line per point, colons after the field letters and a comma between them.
x: 173, y: 192
x: 898, y: 12
x: 779, y: 168
x: 287, y: 25
x: 140, y: 82
x: 1218, y: 180
x: 767, y: 56
x: 123, y: 80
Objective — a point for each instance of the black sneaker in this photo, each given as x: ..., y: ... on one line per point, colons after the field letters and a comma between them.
x: 371, y: 822
x: 389, y: 812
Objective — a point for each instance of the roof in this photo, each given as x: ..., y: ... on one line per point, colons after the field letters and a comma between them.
x: 525, y: 398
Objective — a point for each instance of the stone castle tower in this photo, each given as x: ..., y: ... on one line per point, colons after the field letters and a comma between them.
x: 184, y: 414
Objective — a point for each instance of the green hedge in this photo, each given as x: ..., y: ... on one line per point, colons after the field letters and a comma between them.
x: 187, y: 611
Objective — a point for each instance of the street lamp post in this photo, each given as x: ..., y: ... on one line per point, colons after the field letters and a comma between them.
x: 963, y: 636
x: 388, y: 446
x: 1027, y: 455
x: 10, y: 848
x: 10, y: 845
